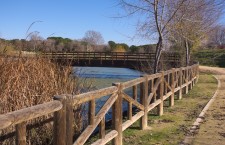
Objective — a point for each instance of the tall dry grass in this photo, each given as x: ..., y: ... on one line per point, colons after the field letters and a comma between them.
x: 28, y: 81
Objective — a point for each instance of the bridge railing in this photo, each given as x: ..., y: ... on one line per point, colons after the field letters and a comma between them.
x: 140, y: 95
x: 111, y: 56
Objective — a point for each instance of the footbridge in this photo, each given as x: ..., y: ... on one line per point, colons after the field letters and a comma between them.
x: 113, y: 59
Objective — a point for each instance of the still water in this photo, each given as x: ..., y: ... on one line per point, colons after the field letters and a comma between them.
x: 102, y: 77
x: 94, y: 78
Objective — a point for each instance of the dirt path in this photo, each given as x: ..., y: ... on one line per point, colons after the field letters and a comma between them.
x: 212, y: 130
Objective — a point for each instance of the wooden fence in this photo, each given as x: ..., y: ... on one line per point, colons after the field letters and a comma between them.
x: 148, y: 92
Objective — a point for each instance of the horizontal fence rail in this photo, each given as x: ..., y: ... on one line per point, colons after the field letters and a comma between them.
x: 139, y: 95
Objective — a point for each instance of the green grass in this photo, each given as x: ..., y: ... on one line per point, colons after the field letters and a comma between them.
x: 211, y: 57
x: 171, y: 128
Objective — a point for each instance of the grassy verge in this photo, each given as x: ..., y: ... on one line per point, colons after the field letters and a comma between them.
x: 171, y: 128
x: 211, y: 57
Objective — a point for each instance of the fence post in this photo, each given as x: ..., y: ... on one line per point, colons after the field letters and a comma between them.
x: 129, y: 111
x: 69, y: 121
x: 197, y: 73
x: 91, y: 114
x: 186, y: 80
x: 191, y: 78
x: 173, y: 88
x: 180, y: 84
x: 118, y: 116
x: 102, y: 128
x: 160, y: 106
x: 21, y: 134
x: 59, y: 134
x: 144, y: 96
x: 166, y: 77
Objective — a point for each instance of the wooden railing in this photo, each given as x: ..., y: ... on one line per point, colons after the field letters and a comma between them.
x: 142, y: 94
x: 112, y: 56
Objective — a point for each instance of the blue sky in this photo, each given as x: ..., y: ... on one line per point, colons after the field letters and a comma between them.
x: 67, y: 18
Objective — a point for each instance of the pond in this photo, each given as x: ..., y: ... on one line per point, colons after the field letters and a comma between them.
x: 101, y: 77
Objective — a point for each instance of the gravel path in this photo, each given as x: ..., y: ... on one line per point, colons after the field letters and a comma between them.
x: 212, y: 130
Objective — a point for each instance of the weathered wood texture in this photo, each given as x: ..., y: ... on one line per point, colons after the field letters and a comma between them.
x: 85, y: 97
x: 148, y: 92
x: 29, y: 113
x: 98, y: 118
x: 69, y: 122
x: 161, y: 91
x: 59, y: 134
x: 117, y: 117
x: 21, y: 134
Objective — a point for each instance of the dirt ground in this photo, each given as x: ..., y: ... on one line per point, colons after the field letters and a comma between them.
x: 212, y: 130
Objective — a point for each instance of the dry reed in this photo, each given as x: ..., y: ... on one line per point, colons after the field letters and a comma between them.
x: 28, y: 81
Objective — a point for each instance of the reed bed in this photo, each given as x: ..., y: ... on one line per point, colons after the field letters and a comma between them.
x: 28, y: 81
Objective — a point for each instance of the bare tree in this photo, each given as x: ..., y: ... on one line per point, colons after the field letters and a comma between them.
x: 93, y: 37
x: 194, y: 20
x: 217, y: 36
x: 35, y: 40
x: 50, y: 45
x: 155, y: 20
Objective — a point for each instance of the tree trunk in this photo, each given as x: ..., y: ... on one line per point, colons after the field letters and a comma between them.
x: 187, y: 52
x: 158, y: 54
